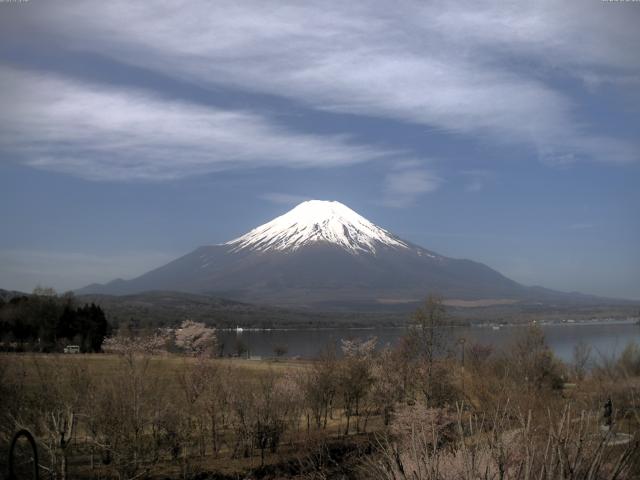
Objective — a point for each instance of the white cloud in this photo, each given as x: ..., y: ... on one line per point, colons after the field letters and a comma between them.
x: 478, y: 68
x: 25, y: 269
x: 103, y: 133
x: 405, y: 185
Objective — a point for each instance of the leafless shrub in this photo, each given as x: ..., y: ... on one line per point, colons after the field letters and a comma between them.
x: 437, y: 425
x: 477, y: 355
x: 629, y: 361
x: 437, y: 384
x: 567, y: 447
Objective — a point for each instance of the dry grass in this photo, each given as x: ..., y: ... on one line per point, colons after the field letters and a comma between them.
x: 102, y: 365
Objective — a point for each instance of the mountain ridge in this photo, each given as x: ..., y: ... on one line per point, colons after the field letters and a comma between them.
x: 324, y: 255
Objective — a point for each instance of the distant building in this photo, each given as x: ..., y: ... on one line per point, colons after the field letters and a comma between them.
x: 72, y: 349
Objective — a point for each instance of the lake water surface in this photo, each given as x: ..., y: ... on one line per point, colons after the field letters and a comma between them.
x: 606, y: 338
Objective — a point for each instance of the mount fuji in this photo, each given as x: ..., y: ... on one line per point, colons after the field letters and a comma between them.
x: 323, y: 254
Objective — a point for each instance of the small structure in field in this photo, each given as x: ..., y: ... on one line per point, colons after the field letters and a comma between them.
x: 72, y: 349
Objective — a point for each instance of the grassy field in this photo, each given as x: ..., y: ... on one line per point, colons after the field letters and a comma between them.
x: 99, y: 365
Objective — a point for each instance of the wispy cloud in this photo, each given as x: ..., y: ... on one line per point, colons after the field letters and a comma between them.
x: 479, y: 69
x: 284, y: 198
x: 408, y: 182
x: 104, y: 133
x: 477, y: 179
x: 25, y: 269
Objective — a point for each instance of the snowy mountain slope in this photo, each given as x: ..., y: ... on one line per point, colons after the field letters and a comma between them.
x: 316, y: 221
x: 323, y: 254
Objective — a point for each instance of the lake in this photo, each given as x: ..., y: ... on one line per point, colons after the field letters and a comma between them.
x: 606, y: 338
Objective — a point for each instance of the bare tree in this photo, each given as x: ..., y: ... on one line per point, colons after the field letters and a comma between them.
x: 216, y: 400
x: 355, y: 377
x: 581, y: 356
x: 477, y: 355
x: 429, y: 337
x: 190, y: 423
x: 275, y: 403
x: 319, y: 386
x: 387, y: 384
x: 62, y: 398
x: 241, y: 402
x: 129, y: 406
x: 534, y: 362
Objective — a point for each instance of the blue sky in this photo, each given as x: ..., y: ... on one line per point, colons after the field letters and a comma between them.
x: 504, y: 132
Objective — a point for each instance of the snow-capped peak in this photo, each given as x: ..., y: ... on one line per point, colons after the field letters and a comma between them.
x: 317, y: 221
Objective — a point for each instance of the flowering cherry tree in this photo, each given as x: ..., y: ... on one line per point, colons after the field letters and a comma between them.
x: 191, y: 338
x: 195, y: 338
